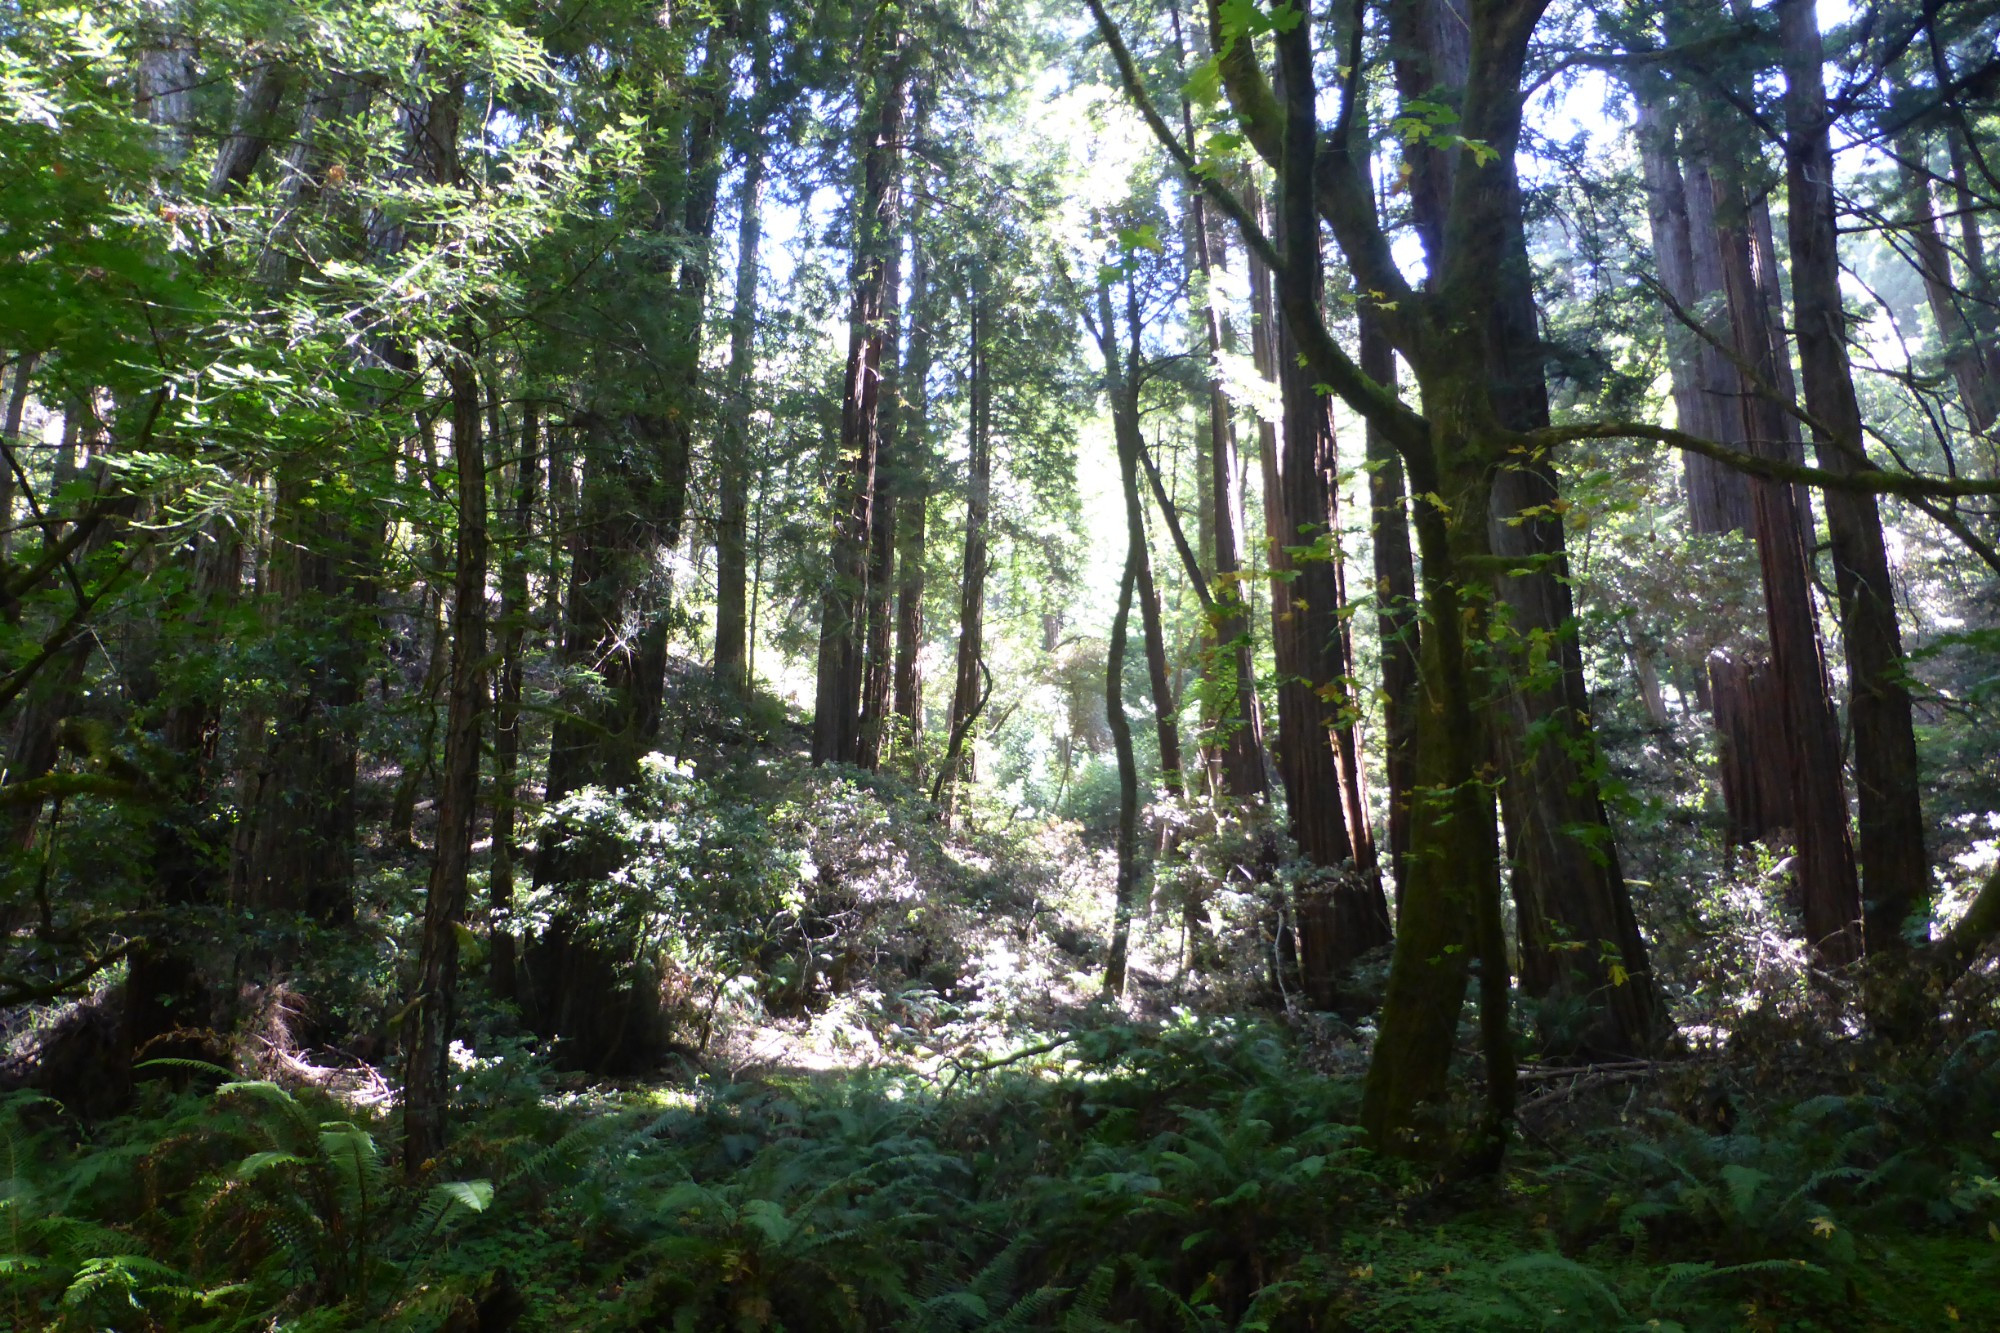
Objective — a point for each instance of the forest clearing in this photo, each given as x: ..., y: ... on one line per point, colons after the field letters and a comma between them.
x: 999, y: 664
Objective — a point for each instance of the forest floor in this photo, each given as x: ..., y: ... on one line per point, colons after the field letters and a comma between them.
x: 911, y: 1108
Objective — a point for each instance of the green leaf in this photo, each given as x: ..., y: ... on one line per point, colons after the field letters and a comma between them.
x: 1743, y: 1182
x: 1146, y: 237
x: 1204, y: 85
x: 259, y: 1162
x: 474, y: 1196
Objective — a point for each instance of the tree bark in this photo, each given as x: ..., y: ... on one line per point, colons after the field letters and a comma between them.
x: 1978, y: 394
x: 1125, y: 892
x: 297, y: 852
x: 1131, y: 443
x: 1568, y: 888
x: 1829, y: 891
x: 1396, y: 621
x: 1234, y: 746
x: 879, y: 602
x: 10, y: 431
x: 426, y: 1081
x: 913, y: 504
x: 732, y: 562
x: 1895, y: 871
x: 1984, y: 305
x: 966, y: 688
x: 841, y: 667
x: 1743, y: 692
x: 514, y: 617
x: 1342, y: 913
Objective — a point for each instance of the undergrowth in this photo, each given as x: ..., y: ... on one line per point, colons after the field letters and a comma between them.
x: 1192, y: 1175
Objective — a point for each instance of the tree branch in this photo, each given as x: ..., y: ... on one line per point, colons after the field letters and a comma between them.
x: 1372, y: 401
x: 1869, y: 482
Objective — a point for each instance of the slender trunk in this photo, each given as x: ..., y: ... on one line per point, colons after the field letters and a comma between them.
x: 1895, y: 872
x: 966, y: 688
x: 731, y: 537
x: 10, y: 434
x: 1234, y: 745
x: 426, y: 1083
x: 1396, y: 620
x: 913, y: 504
x: 1978, y: 395
x: 1983, y: 291
x: 1125, y: 418
x: 420, y: 757
x: 1125, y: 893
x: 841, y: 666
x: 879, y: 602
x: 1233, y: 716
x: 514, y: 614
x: 1264, y: 335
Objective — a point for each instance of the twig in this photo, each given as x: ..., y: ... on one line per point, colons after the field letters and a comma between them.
x: 1541, y: 1073
x: 963, y: 1070
x: 1568, y: 1090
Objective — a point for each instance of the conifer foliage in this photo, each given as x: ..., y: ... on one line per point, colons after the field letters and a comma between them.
x: 929, y: 664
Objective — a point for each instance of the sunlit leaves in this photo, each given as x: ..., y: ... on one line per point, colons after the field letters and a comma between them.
x: 1425, y: 122
x: 1247, y: 18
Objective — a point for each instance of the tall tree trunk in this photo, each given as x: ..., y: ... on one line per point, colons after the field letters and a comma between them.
x: 576, y: 993
x: 1342, y: 913
x: 841, y: 667
x: 299, y: 851
x: 1567, y: 884
x: 426, y: 1078
x: 1743, y: 691
x: 1125, y: 419
x: 879, y: 602
x: 1981, y: 288
x: 1235, y: 718
x: 669, y: 429
x: 1895, y: 872
x: 514, y: 616
x: 297, y: 760
x: 1978, y: 394
x: 1396, y: 621
x: 426, y: 1083
x: 1121, y: 375
x: 967, y: 692
x: 913, y: 495
x: 1125, y: 892
x: 600, y: 1008
x: 1829, y: 891
x: 1234, y: 746
x: 168, y: 1007
x: 732, y: 527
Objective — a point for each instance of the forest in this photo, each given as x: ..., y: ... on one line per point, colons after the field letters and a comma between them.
x: 999, y: 664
